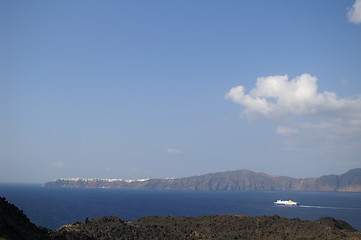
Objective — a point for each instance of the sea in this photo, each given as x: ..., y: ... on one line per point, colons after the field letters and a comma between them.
x: 54, y: 207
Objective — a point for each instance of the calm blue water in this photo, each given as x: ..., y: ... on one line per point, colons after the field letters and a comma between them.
x: 54, y: 207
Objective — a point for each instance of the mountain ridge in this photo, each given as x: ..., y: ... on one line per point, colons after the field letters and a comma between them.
x: 239, y: 180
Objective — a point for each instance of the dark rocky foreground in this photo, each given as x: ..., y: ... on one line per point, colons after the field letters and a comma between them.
x: 14, y: 225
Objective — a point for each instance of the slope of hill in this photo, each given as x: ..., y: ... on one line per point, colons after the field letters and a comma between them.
x: 241, y: 180
x: 14, y: 224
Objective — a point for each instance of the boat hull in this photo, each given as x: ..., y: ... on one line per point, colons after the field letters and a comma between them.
x: 287, y: 205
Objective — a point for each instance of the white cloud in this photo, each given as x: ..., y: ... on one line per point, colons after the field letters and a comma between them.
x: 354, y: 13
x: 286, y: 131
x: 172, y: 150
x: 298, y: 103
x: 58, y: 164
x: 276, y: 96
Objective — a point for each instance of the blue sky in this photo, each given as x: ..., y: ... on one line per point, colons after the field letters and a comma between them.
x: 155, y: 89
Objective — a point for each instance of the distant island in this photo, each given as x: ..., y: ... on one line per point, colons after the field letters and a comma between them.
x: 14, y: 224
x: 241, y: 180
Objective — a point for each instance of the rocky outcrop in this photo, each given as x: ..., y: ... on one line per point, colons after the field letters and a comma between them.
x: 15, y: 225
x: 242, y: 180
x: 209, y: 227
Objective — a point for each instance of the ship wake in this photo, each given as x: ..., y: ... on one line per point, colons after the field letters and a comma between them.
x: 344, y: 208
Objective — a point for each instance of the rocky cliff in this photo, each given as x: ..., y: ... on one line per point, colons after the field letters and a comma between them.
x: 14, y: 225
x: 242, y: 180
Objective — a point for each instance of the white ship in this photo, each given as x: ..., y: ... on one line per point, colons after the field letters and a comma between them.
x: 288, y: 203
